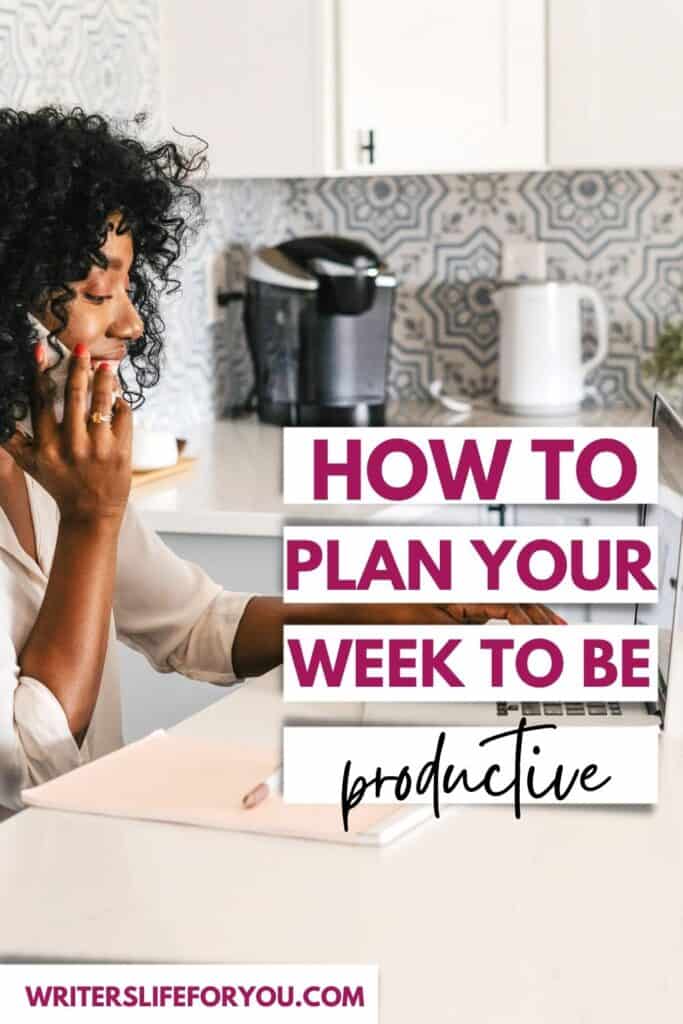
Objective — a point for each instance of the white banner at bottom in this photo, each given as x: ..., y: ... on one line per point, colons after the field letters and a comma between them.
x: 155, y: 992
x: 522, y: 764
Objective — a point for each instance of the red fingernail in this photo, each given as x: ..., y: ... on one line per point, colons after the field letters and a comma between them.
x: 104, y: 366
x: 80, y: 350
x: 38, y: 352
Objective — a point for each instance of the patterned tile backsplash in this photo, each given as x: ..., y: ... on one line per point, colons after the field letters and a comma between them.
x: 100, y: 54
x: 621, y: 231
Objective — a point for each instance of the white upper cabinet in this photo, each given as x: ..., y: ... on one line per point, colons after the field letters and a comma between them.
x: 442, y: 85
x: 616, y: 82
x: 293, y: 87
x: 306, y: 87
x: 253, y: 78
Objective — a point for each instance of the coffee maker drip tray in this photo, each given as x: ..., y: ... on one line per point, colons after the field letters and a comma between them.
x: 361, y: 414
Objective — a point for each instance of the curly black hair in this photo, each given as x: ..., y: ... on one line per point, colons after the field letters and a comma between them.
x: 62, y: 173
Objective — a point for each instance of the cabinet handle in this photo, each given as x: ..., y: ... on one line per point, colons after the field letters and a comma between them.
x: 499, y: 512
x: 368, y: 146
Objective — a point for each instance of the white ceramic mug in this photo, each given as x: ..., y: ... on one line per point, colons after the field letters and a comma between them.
x: 153, y: 449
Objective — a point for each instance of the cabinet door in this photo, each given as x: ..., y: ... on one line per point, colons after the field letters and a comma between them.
x: 443, y: 85
x: 616, y: 79
x: 253, y: 79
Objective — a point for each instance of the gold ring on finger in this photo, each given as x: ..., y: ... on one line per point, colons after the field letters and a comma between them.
x: 101, y: 417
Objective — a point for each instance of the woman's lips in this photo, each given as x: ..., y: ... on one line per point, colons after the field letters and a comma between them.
x: 112, y: 352
x: 112, y: 356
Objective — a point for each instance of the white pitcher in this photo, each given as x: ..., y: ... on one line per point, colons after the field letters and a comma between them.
x: 540, y: 367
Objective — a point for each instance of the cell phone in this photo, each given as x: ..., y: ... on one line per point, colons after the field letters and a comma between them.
x: 58, y: 363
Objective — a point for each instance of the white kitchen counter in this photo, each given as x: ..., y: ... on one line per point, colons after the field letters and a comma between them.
x: 571, y: 914
x: 236, y: 486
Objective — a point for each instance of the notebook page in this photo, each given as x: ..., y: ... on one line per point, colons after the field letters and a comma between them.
x: 195, y: 782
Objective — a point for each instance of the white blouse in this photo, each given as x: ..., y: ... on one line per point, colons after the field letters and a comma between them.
x: 164, y: 607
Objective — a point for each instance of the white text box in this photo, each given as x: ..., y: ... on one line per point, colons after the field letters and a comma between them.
x: 180, y: 992
x: 430, y: 664
x: 444, y: 465
x: 322, y: 763
x: 470, y: 564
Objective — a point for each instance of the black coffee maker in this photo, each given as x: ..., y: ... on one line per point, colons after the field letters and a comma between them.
x: 317, y: 317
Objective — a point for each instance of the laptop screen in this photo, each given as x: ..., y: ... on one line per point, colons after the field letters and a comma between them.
x: 667, y: 516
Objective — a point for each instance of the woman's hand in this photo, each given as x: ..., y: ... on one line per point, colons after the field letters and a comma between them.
x: 84, y: 465
x: 257, y: 646
x: 516, y: 614
x: 460, y: 614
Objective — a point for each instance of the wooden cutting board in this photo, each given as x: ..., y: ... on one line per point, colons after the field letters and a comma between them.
x: 150, y: 476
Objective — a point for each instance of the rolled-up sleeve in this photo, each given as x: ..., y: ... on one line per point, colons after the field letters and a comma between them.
x: 35, y: 739
x: 170, y: 610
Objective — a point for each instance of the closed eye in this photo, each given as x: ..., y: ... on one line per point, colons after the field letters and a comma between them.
x: 99, y: 299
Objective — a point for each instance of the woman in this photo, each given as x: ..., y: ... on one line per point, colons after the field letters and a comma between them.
x: 91, y: 225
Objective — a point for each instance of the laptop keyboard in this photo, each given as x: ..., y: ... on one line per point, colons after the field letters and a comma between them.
x: 557, y: 708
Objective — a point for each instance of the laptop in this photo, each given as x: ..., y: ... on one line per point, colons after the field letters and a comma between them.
x: 667, y: 515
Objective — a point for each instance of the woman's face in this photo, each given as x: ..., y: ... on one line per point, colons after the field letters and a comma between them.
x: 101, y: 315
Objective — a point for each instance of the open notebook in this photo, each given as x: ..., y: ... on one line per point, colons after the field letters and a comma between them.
x: 195, y: 782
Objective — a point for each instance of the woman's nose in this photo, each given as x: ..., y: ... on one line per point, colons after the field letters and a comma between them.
x: 128, y: 326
